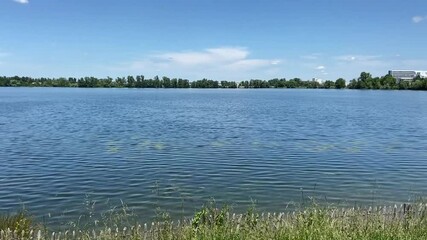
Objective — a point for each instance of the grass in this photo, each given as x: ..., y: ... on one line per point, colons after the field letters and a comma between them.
x: 18, y: 222
x: 313, y: 222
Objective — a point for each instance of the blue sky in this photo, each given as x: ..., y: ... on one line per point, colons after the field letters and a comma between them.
x: 218, y: 39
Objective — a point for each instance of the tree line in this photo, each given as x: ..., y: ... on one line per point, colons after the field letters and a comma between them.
x: 365, y: 81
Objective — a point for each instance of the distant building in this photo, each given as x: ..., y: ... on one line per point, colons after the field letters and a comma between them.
x: 406, y: 75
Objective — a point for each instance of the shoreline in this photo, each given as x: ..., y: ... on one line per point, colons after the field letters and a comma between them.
x: 407, y: 221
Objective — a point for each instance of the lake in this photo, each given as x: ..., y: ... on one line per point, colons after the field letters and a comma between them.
x: 62, y: 150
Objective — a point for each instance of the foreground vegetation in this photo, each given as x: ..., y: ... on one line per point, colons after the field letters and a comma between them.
x: 365, y: 81
x: 18, y: 222
x: 315, y: 222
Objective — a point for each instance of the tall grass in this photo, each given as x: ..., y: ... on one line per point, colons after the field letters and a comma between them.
x: 313, y: 222
x: 19, y: 222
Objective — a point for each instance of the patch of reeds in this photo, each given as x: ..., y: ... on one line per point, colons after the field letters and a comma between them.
x: 314, y: 222
x: 19, y: 222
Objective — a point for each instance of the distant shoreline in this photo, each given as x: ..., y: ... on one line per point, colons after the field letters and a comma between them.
x: 365, y: 81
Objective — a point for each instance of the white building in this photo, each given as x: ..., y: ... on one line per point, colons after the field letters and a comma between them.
x: 407, y: 74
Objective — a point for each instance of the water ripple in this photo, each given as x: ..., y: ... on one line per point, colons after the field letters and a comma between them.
x: 177, y: 149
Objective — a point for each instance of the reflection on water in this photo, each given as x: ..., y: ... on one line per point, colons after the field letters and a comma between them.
x: 176, y: 149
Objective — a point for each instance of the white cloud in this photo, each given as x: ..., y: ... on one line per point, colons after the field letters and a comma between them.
x: 418, y: 19
x: 22, y: 1
x: 208, y: 56
x: 322, y: 70
x: 217, y: 63
x: 360, y: 59
x: 313, y: 56
x: 250, y: 64
x: 347, y: 58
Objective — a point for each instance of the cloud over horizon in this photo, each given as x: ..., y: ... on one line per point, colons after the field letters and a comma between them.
x: 362, y: 60
x: 22, y: 1
x: 418, y: 19
x: 211, y: 62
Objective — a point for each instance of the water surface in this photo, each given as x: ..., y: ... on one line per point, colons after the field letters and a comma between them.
x: 63, y: 149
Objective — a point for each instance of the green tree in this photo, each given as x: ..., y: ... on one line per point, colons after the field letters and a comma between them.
x: 340, y: 83
x: 365, y: 81
x: 130, y: 82
x: 174, y: 83
x: 404, y: 85
x: 121, y: 82
x: 388, y: 82
x: 183, y: 83
x: 156, y: 82
x: 166, y: 82
x: 328, y: 84
x: 139, y: 81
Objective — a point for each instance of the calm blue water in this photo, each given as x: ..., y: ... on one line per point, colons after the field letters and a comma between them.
x: 176, y: 149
